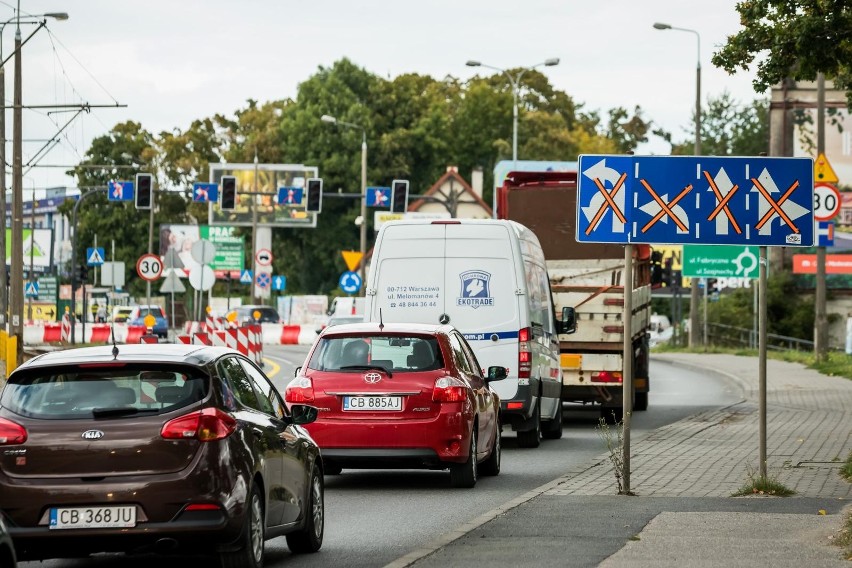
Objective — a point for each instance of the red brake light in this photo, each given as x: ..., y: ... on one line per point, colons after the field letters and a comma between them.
x: 515, y: 405
x: 202, y: 507
x: 524, y: 334
x: 204, y: 425
x: 449, y: 389
x: 299, y: 391
x: 524, y: 353
x: 606, y: 377
x: 11, y: 433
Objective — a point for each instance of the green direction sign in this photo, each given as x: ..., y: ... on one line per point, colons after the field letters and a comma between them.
x: 720, y: 261
x: 47, y: 288
x: 230, y: 253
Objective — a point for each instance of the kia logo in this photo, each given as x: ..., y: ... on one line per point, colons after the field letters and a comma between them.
x: 372, y: 378
x: 92, y: 435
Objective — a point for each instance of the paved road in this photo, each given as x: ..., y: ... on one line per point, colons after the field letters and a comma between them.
x: 375, y: 517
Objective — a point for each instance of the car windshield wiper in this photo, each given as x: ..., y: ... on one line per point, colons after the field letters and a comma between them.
x: 116, y: 411
x: 367, y: 368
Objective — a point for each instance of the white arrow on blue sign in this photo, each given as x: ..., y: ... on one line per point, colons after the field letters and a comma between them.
x: 350, y: 282
x: 94, y: 256
x: 706, y: 200
x: 31, y: 291
x: 279, y: 283
x: 246, y: 277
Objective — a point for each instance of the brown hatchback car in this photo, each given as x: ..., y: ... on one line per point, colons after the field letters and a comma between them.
x: 167, y: 448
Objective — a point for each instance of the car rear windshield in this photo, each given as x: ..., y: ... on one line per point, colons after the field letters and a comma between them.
x: 71, y: 392
x: 155, y: 311
x: 392, y: 353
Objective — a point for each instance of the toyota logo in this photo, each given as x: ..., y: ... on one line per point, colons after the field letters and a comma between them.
x: 92, y: 435
x: 372, y: 378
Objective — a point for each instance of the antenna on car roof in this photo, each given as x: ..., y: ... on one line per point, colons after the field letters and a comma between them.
x: 114, y: 346
x: 381, y: 323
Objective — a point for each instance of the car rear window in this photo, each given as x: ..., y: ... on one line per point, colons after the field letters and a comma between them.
x: 155, y: 311
x: 393, y: 353
x: 71, y: 392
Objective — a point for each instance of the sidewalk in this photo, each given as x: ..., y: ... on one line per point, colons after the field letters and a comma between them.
x: 684, y: 475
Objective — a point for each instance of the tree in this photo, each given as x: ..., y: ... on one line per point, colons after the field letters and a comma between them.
x: 729, y: 128
x: 800, y: 37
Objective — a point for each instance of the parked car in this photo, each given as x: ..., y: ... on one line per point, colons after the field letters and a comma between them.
x: 7, y: 548
x: 339, y: 320
x: 120, y: 314
x: 401, y: 395
x: 161, y: 323
x: 184, y: 448
x: 256, y: 314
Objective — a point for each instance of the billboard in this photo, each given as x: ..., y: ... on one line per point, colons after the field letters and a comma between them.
x: 36, y: 249
x: 257, y: 193
x: 230, y: 252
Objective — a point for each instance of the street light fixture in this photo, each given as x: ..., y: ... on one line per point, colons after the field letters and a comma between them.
x: 693, y: 298
x: 16, y: 280
x: 515, y: 81
x: 332, y: 120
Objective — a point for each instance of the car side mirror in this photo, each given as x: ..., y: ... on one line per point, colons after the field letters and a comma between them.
x: 296, y: 372
x: 497, y: 373
x: 303, y: 414
x: 569, y: 320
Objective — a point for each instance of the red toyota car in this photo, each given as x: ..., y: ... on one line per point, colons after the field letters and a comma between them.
x: 401, y: 396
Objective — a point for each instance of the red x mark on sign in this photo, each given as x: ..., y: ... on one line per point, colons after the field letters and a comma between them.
x: 608, y: 202
x: 775, y: 205
x: 665, y: 208
x: 723, y: 202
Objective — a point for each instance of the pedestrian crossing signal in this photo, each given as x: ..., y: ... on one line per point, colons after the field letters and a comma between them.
x: 314, y: 195
x: 144, y: 191
x: 399, y: 196
x: 229, y: 193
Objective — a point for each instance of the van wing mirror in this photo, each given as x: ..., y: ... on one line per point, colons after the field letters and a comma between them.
x: 569, y: 320
x: 497, y: 373
x: 296, y: 372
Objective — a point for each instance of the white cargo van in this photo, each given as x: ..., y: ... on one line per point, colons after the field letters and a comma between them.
x: 487, y: 278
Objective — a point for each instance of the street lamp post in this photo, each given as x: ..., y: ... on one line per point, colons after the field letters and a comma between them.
x: 515, y: 81
x: 363, y: 227
x: 693, y: 298
x: 16, y: 281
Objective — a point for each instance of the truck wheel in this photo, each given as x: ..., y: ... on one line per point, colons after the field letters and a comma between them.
x: 553, y: 429
x: 612, y: 414
x: 640, y: 401
x: 532, y: 438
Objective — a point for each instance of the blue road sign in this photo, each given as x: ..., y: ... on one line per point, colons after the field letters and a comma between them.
x: 31, y: 290
x: 696, y: 200
x: 94, y: 256
x: 378, y: 196
x: 205, y: 192
x: 290, y: 195
x: 350, y: 282
x: 263, y: 280
x: 279, y: 283
x: 120, y: 191
x: 246, y: 276
x: 825, y: 233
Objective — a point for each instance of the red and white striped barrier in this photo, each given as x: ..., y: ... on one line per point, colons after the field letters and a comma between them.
x: 280, y: 334
x: 48, y: 332
x: 245, y: 340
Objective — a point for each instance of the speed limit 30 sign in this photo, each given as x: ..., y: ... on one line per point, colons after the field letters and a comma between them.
x: 826, y: 201
x: 149, y: 267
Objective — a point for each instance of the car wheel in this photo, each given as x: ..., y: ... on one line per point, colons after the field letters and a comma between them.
x: 309, y: 537
x: 464, y: 474
x: 251, y: 553
x: 640, y: 402
x: 532, y: 438
x: 553, y: 431
x: 491, y: 466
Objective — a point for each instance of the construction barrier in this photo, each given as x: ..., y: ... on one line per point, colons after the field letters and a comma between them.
x: 245, y: 340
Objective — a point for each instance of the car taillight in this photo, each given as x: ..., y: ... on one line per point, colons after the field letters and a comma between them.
x: 299, y: 391
x: 606, y: 377
x: 204, y: 425
x: 524, y: 353
x: 11, y: 433
x: 449, y: 389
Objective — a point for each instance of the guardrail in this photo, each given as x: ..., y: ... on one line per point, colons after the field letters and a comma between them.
x: 732, y: 336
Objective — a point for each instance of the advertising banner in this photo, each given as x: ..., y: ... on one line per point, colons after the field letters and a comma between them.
x: 230, y: 252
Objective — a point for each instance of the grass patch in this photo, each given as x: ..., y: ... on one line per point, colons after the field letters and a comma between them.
x: 843, y: 539
x: 846, y: 470
x: 760, y: 485
x: 836, y: 363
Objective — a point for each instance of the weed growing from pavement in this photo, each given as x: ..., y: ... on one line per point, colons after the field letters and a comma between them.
x: 846, y: 470
x: 760, y: 485
x: 615, y: 446
x: 843, y: 538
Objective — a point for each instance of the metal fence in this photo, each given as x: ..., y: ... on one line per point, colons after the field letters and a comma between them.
x: 731, y: 336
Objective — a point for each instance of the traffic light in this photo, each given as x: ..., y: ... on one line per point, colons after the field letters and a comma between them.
x: 81, y: 273
x: 144, y: 191
x: 229, y: 193
x: 314, y: 195
x: 656, y: 269
x: 399, y: 196
x: 667, y: 272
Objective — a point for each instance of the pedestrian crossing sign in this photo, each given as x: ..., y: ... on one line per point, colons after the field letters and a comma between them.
x: 94, y: 256
x: 31, y: 291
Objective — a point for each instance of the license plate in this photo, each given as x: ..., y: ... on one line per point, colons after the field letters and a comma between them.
x: 372, y: 403
x: 117, y: 516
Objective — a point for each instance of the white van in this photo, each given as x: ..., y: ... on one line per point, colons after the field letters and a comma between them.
x: 487, y: 278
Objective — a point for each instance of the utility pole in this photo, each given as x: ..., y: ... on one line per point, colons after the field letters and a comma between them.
x: 16, y: 282
x: 821, y: 319
x: 254, y: 232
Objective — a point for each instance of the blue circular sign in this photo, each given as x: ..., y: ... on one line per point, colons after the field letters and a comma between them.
x: 263, y: 280
x: 350, y: 282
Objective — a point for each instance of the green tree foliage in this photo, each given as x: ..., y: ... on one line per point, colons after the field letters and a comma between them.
x: 729, y: 128
x: 792, y: 38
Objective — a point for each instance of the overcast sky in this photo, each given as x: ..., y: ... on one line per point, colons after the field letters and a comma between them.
x: 173, y: 61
